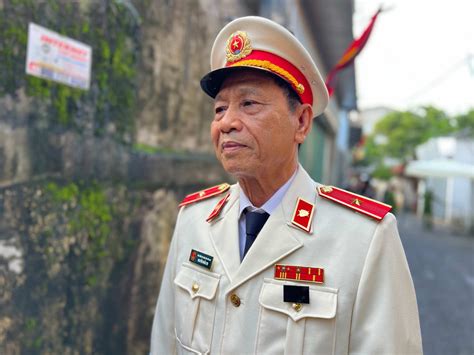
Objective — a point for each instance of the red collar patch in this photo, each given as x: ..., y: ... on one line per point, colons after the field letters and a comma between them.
x: 303, y: 215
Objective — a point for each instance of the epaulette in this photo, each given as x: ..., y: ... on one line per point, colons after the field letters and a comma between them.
x: 204, y: 194
x: 358, y: 203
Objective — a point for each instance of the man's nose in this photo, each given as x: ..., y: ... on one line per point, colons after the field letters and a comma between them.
x: 231, y: 120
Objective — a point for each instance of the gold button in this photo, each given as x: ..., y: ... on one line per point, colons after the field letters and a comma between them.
x: 195, y: 287
x: 297, y: 307
x: 235, y: 300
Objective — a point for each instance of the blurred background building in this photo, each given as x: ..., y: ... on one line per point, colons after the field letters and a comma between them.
x: 445, y: 171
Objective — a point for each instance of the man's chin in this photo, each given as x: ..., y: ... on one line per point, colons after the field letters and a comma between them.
x: 234, y: 168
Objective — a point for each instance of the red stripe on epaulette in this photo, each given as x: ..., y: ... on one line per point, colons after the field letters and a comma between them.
x: 358, y: 203
x: 204, y: 194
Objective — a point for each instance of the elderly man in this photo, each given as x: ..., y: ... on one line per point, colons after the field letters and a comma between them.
x: 279, y: 264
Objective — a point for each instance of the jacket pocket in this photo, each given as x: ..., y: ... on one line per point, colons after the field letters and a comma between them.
x: 289, y: 328
x: 195, y: 307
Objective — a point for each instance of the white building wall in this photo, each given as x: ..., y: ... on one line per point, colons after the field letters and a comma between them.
x: 456, y: 206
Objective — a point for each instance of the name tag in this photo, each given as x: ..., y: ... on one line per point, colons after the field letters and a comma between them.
x: 296, y: 294
x: 201, y: 259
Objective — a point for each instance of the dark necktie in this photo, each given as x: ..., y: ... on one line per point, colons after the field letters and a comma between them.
x: 254, y: 222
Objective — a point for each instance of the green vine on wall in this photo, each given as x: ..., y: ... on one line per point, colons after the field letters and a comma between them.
x: 88, y: 220
x: 111, y: 31
x: 73, y: 243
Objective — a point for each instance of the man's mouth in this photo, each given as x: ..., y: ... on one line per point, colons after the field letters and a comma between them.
x: 230, y: 146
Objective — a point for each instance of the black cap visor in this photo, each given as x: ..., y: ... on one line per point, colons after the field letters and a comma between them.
x: 211, y: 83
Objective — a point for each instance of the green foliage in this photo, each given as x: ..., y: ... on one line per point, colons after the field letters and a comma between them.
x: 90, y: 216
x: 398, y: 133
x: 145, y: 148
x: 428, y: 210
x: 111, y: 32
x: 406, y: 130
x: 465, y: 123
x: 31, y: 324
x: 373, y: 153
x: 389, y: 198
x: 148, y: 149
x: 428, y: 206
x: 62, y: 194
x: 382, y: 172
x: 76, y: 243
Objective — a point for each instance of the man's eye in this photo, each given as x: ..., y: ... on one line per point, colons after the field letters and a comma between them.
x: 219, y: 109
x: 248, y: 103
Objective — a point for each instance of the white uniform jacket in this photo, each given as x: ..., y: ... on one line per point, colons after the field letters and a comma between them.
x: 366, y: 305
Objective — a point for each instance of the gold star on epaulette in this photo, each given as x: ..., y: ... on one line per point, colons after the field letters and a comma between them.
x: 358, y: 203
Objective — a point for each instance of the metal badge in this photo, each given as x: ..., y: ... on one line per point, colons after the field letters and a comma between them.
x: 201, y: 259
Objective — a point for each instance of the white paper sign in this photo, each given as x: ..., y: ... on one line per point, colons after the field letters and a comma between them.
x: 55, y: 57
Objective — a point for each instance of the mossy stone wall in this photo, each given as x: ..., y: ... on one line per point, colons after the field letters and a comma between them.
x: 90, y: 180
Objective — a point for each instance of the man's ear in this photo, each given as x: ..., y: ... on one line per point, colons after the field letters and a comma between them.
x: 304, y: 116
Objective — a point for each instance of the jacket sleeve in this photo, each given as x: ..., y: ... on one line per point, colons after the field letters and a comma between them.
x: 163, y: 338
x: 385, y: 315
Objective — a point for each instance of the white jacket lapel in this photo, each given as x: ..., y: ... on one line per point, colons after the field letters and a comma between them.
x: 224, y: 231
x: 278, y: 238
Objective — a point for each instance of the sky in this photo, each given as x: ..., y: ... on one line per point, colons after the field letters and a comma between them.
x: 417, y: 55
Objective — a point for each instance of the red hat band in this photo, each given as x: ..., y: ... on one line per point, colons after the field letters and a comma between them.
x: 276, y: 65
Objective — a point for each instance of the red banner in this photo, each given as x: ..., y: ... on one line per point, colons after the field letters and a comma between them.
x: 351, y: 52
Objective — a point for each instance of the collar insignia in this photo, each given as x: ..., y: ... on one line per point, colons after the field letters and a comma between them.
x: 303, y: 215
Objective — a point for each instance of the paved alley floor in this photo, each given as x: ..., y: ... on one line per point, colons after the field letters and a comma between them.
x: 442, y: 266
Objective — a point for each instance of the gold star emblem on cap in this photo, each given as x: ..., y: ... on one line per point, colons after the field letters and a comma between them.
x: 233, y: 43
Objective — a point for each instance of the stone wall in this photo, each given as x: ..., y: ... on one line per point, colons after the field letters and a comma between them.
x: 176, y: 44
x: 80, y: 266
x: 90, y: 181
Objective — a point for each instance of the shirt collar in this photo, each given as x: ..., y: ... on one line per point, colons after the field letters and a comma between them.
x: 271, y: 204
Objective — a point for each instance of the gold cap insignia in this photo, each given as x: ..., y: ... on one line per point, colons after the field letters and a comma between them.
x: 238, y: 46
